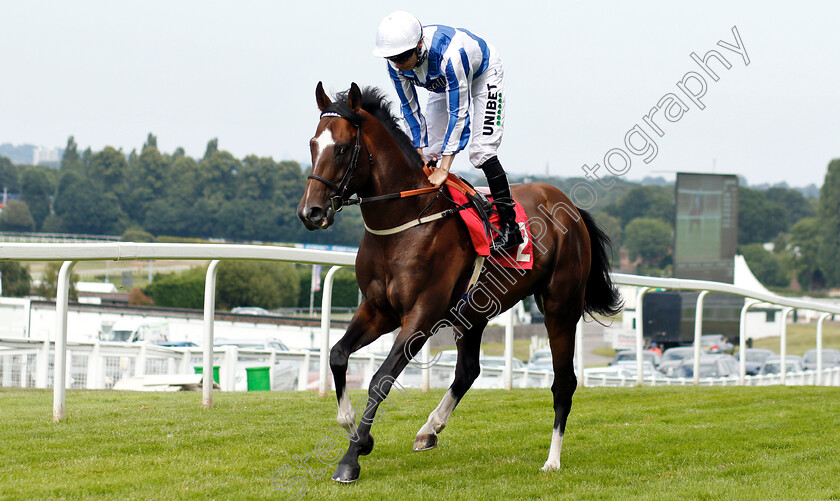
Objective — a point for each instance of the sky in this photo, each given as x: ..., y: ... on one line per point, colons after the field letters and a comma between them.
x: 578, y: 76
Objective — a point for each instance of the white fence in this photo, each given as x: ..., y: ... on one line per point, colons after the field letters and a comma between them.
x: 70, y: 253
x: 105, y: 365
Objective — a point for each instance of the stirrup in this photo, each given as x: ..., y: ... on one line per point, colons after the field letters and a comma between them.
x: 506, y: 241
x: 509, y: 233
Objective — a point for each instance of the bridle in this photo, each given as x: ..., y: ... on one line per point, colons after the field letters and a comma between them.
x: 337, y: 201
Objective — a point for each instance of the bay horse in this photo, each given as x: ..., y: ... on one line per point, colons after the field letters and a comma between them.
x: 414, y: 279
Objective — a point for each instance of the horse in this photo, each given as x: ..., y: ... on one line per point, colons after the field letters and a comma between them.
x: 412, y: 275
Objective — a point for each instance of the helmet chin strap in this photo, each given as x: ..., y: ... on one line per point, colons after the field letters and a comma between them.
x: 422, y: 53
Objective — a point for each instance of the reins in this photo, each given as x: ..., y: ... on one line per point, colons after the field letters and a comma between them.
x: 338, y: 201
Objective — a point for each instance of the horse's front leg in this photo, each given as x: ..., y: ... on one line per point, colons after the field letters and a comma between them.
x: 466, y: 371
x: 408, y: 343
x: 367, y: 325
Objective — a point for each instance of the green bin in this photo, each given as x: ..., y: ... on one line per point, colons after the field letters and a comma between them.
x: 259, y: 378
x: 200, y: 370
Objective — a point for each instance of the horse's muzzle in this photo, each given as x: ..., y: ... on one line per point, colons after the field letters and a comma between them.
x: 316, y: 218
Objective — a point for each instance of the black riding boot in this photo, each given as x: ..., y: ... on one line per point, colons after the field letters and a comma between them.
x: 510, y: 236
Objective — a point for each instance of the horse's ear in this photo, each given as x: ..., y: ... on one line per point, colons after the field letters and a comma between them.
x: 354, y: 98
x: 321, y: 97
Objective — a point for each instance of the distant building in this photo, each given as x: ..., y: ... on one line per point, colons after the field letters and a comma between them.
x: 44, y: 155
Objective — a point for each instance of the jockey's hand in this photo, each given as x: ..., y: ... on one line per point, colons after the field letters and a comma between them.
x: 439, y: 175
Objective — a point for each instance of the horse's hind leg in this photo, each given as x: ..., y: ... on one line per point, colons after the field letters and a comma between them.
x: 367, y: 325
x: 466, y: 371
x: 560, y: 320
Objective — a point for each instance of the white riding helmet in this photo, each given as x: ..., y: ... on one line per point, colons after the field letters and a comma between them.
x: 397, y: 33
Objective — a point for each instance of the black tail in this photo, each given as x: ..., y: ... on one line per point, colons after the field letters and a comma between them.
x: 601, y: 295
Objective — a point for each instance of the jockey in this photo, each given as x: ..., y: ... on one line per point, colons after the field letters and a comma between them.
x: 460, y: 70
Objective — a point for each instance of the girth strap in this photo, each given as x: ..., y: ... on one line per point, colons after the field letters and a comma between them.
x: 411, y: 224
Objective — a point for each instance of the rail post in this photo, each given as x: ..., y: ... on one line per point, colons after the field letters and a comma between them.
x: 698, y: 333
x: 640, y: 344
x: 209, y: 316
x: 508, y: 372
x: 60, y: 371
x: 822, y: 318
x: 579, y: 351
x: 783, y: 343
x: 742, y: 343
x: 326, y: 311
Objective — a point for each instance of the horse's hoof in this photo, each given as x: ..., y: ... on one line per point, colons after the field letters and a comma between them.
x: 551, y: 466
x: 425, y: 442
x: 368, y: 447
x: 347, y: 473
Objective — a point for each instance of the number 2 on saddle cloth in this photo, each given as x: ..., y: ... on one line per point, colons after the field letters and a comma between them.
x: 478, y: 221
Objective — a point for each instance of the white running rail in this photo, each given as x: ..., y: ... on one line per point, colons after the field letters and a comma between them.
x: 129, y: 251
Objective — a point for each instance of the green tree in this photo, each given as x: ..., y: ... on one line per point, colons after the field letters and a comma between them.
x: 212, y: 147
x: 612, y: 227
x: 48, y: 286
x: 829, y: 225
x: 36, y: 190
x: 110, y: 168
x: 767, y: 267
x: 8, y: 175
x: 266, y: 284
x: 656, y: 202
x: 16, y: 217
x: 218, y: 176
x: 759, y: 220
x: 649, y: 239
x: 804, y: 247
x: 85, y: 209
x: 795, y: 204
x: 71, y: 159
x: 137, y: 235
x: 178, y: 290
x: 345, y: 288
x: 148, y: 183
x: 151, y: 141
x: 16, y: 279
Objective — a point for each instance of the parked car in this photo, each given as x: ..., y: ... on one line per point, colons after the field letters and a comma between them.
x: 831, y: 358
x: 495, y: 378
x: 716, y: 343
x: 541, y: 361
x: 177, y: 344
x: 631, y: 367
x: 444, y: 357
x: 673, y: 357
x: 253, y: 344
x: 608, y: 376
x: 498, y: 362
x: 711, y: 366
x: 755, y: 358
x: 773, y: 365
x: 251, y: 310
x: 654, y: 358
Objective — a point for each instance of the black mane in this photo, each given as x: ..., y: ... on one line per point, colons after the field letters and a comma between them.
x: 375, y: 103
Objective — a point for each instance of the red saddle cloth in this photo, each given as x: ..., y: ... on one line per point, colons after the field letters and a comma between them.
x: 520, y: 257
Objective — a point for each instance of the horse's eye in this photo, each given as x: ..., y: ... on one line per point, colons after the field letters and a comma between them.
x: 342, y: 150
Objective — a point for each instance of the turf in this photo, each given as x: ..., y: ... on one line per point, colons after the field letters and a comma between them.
x: 631, y: 443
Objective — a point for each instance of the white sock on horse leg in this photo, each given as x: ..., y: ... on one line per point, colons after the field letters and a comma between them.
x: 439, y: 416
x: 553, y: 462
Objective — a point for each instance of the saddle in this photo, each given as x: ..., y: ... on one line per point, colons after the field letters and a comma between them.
x: 477, y: 212
x: 477, y: 200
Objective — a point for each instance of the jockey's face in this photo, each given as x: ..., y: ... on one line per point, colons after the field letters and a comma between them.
x: 407, y: 64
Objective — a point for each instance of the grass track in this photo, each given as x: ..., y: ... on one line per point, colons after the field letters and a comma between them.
x: 640, y: 443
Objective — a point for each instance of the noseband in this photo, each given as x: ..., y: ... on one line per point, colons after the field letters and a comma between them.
x: 338, y: 201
